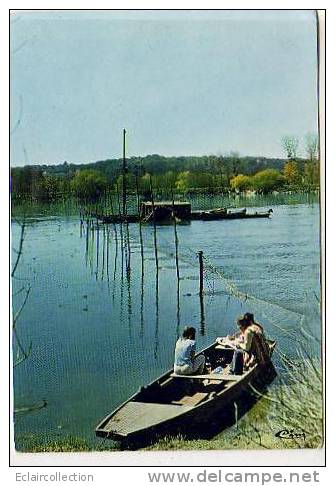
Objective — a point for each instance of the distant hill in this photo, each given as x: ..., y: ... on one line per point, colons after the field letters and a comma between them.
x: 159, y: 164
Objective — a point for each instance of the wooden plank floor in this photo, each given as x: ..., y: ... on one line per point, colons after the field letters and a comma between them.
x: 139, y: 415
x: 191, y: 400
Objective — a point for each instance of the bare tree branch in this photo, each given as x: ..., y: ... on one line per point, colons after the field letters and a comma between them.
x: 18, y: 121
x: 17, y: 315
x: 19, y: 251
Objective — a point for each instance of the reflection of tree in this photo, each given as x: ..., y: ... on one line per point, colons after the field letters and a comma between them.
x: 22, y: 353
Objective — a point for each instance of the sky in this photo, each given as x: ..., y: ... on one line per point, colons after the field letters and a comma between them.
x: 179, y: 82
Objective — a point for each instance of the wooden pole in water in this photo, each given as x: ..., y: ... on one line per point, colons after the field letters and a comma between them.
x: 116, y: 250
x: 140, y: 225
x: 202, y: 315
x: 201, y: 292
x: 128, y: 253
x: 154, y: 222
x: 124, y: 204
x: 87, y: 240
x: 176, y: 241
x: 103, y: 252
x: 201, y: 272
x: 107, y: 253
x: 124, y: 170
x: 98, y: 244
x: 121, y: 230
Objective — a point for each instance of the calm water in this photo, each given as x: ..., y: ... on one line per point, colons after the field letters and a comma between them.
x: 97, y: 334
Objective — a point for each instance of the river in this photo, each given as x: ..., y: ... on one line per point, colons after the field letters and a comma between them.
x: 98, y: 333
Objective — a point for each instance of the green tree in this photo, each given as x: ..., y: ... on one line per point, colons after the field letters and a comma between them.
x: 48, y: 188
x: 165, y: 181
x: 291, y: 172
x: 312, y: 174
x: 267, y: 180
x: 190, y: 180
x: 241, y: 182
x: 183, y: 181
x: 144, y: 183
x: 88, y: 184
x: 312, y: 167
x: 130, y: 182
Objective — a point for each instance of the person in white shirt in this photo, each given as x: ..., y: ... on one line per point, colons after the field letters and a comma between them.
x: 185, y: 361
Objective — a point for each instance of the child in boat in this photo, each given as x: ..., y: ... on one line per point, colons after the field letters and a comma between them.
x: 249, y: 345
x: 185, y: 361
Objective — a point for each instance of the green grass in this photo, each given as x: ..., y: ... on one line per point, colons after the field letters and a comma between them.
x: 36, y: 443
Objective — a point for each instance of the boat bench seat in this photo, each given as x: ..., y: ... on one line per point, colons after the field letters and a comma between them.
x: 192, y: 400
x: 209, y: 376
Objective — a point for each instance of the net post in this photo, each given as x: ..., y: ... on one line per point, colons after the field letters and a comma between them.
x: 201, y: 272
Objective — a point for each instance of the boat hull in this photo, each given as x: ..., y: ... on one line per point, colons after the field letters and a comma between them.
x: 143, y: 427
x: 212, y: 215
x: 194, y: 216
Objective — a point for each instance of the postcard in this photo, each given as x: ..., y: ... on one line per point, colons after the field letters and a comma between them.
x: 166, y: 177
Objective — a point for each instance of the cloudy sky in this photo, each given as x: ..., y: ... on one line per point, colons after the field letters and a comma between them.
x: 181, y: 83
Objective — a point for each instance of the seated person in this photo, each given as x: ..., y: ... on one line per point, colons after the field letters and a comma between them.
x: 249, y: 345
x: 185, y: 361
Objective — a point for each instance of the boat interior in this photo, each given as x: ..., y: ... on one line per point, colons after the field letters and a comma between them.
x: 193, y: 389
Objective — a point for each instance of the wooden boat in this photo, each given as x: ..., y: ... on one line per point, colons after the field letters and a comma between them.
x: 163, y: 212
x: 223, y: 213
x: 174, y: 400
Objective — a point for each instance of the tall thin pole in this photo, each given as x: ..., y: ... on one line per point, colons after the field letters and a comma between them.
x: 201, y: 273
x: 175, y: 239
x: 121, y: 231
x: 140, y: 224
x: 201, y: 292
x: 124, y: 191
x: 154, y: 223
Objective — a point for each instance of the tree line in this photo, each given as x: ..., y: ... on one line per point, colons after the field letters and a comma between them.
x: 179, y: 174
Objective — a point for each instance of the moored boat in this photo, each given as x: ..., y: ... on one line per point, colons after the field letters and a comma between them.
x: 174, y: 400
x: 165, y: 213
x: 215, y: 214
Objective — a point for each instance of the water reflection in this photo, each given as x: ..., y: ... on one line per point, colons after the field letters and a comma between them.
x: 178, y: 309
x: 89, y: 353
x: 142, y: 303
x: 156, y: 315
x: 129, y: 307
x: 202, y: 315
